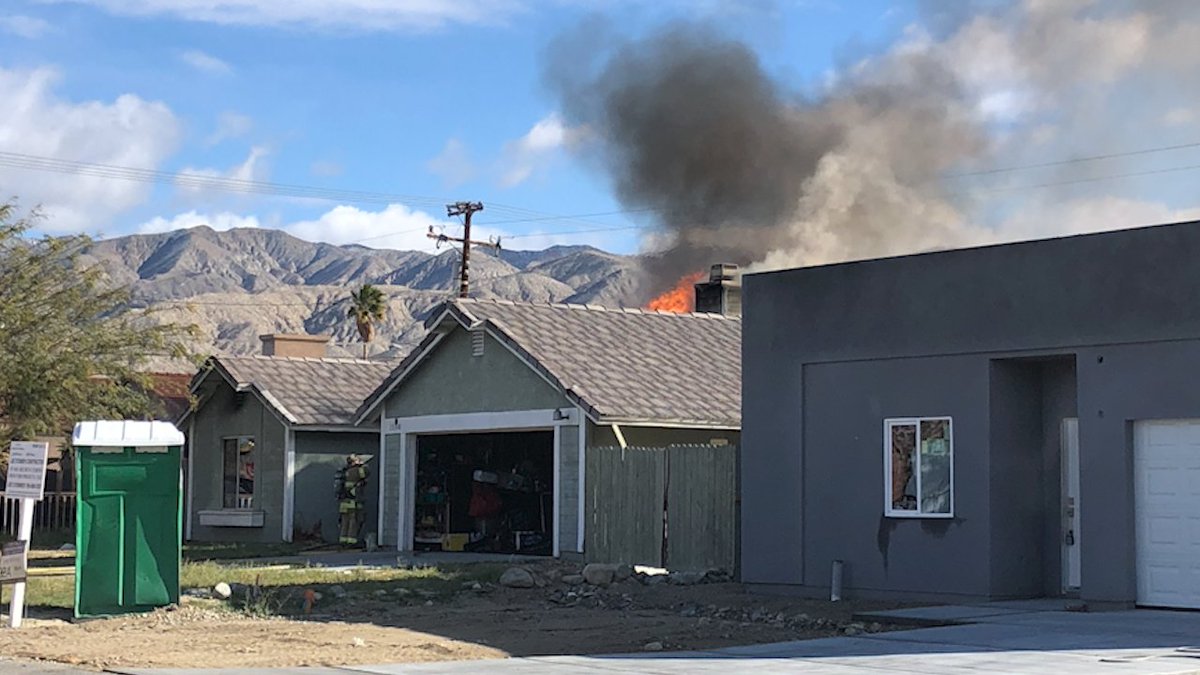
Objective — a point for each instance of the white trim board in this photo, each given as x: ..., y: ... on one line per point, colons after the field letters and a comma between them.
x: 482, y: 421
x: 582, y: 478
x: 191, y: 476
x: 557, y: 493
x: 289, y: 483
x: 382, y: 484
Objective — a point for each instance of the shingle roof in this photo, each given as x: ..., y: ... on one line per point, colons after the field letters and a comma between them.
x: 621, y: 365
x: 304, y: 390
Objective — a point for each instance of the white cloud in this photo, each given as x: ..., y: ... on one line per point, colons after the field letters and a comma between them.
x: 128, y: 131
x: 190, y: 219
x: 1079, y: 216
x: 1179, y: 117
x: 28, y: 27
x: 326, y: 168
x: 205, y: 63
x: 253, y: 168
x: 229, y: 125
x: 363, y: 15
x: 453, y: 164
x: 537, y: 148
x: 396, y: 226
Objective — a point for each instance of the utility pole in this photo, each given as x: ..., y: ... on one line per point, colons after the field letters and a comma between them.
x: 466, y: 210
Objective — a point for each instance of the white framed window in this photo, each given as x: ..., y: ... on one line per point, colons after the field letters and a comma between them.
x: 237, y: 468
x: 918, y: 467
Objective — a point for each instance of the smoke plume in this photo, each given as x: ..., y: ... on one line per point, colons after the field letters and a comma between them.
x: 734, y: 165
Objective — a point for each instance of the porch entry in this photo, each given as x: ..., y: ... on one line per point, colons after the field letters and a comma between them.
x: 1070, y: 504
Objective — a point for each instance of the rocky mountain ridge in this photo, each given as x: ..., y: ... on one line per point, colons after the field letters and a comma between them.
x: 237, y: 284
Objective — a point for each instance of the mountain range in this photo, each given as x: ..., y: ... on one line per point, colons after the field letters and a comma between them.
x: 238, y: 284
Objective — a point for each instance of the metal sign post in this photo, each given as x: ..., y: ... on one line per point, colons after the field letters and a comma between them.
x: 26, y: 481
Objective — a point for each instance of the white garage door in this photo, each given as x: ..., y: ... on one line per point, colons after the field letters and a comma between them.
x: 1166, y: 463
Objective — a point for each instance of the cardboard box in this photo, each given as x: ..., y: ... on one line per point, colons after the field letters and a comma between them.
x: 455, y: 542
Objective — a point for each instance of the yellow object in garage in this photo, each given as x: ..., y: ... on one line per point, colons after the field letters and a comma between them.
x: 455, y: 542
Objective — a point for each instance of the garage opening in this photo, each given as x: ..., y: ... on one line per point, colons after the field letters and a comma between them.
x: 485, y: 493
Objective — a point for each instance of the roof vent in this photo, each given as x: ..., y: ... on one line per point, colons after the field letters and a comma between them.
x: 477, y: 339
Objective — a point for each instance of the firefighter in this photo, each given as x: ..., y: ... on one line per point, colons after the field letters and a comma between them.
x: 352, y: 480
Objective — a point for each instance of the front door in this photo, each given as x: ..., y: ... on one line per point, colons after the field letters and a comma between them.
x: 1070, y: 504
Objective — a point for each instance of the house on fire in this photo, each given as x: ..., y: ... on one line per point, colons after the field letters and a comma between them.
x: 267, y: 435
x: 488, y: 425
x: 1011, y: 421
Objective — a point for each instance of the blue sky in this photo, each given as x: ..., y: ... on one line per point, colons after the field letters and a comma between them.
x: 358, y: 107
x: 430, y: 100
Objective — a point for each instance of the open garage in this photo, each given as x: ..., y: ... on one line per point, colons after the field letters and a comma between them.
x: 490, y: 492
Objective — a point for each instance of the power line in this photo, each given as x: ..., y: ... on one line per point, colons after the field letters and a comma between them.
x: 1076, y: 160
x: 1077, y: 181
x: 237, y: 185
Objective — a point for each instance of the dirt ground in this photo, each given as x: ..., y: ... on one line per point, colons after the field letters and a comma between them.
x: 372, y: 624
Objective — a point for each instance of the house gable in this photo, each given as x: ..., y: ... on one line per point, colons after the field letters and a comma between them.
x: 225, y: 413
x: 452, y: 379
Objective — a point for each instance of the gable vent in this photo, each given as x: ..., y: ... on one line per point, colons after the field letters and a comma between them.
x: 477, y: 343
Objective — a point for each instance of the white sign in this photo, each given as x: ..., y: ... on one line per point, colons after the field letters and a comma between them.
x: 26, y: 470
x: 12, y: 561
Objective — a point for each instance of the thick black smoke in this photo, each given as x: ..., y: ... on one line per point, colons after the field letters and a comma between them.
x: 688, y: 123
x: 740, y: 167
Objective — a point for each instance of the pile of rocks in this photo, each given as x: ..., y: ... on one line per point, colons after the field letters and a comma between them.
x: 800, y: 621
x: 602, y: 575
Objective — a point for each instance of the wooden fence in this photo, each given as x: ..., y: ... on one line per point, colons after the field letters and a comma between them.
x: 56, y: 511
x: 673, y: 507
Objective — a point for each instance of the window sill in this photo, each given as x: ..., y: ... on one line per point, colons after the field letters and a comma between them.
x: 232, y: 518
x: 918, y: 516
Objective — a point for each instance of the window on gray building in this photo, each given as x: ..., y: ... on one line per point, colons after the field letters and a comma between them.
x: 238, y: 472
x: 918, y: 467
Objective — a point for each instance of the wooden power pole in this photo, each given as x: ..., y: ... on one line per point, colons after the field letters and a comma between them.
x: 466, y: 210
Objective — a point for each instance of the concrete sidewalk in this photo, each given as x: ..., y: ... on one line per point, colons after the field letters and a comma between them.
x: 1001, y: 639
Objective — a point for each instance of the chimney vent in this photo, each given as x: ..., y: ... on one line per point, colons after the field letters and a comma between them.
x: 722, y: 293
x: 302, y: 346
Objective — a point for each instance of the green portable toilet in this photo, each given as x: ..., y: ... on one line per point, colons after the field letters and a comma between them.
x: 128, y: 516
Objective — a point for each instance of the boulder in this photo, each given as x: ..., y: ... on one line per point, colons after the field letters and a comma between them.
x: 685, y: 578
x: 597, y: 574
x: 573, y: 579
x: 653, y: 646
x: 622, y: 572
x: 222, y: 591
x: 517, y: 577
x: 337, y: 591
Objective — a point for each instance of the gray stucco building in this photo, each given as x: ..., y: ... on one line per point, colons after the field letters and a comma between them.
x: 266, y: 437
x: 1010, y: 421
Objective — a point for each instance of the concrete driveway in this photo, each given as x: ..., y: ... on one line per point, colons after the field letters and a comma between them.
x: 1000, y: 639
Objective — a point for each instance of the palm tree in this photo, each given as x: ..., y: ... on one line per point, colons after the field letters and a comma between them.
x: 367, y: 306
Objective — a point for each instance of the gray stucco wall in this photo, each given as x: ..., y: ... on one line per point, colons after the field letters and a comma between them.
x: 840, y: 509
x: 820, y: 342
x: 318, y: 457
x: 220, y: 417
x: 451, y: 380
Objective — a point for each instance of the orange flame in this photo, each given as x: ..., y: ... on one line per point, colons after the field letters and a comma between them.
x: 680, y: 299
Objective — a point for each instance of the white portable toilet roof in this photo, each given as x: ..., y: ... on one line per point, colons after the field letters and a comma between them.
x: 125, y: 434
